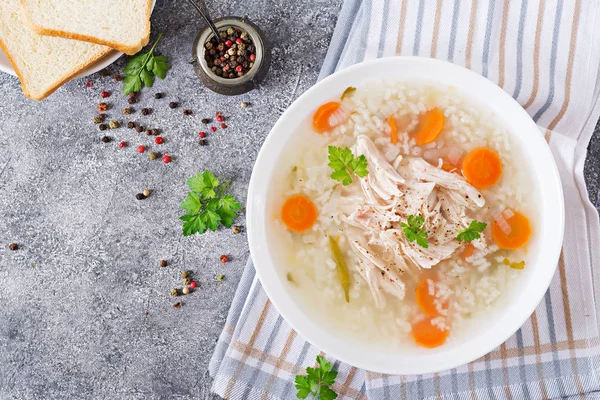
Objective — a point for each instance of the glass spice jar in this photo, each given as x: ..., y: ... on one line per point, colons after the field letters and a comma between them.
x: 251, y: 78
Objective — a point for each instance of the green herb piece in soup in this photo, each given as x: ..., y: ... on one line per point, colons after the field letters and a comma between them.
x: 413, y: 230
x: 344, y: 164
x: 472, y: 232
x: 317, y: 381
x: 348, y: 92
x: 341, y: 266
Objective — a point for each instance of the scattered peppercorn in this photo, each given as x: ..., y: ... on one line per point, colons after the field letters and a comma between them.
x: 163, y: 263
x: 174, y: 292
x: 89, y: 84
x: 152, y: 155
x: 97, y: 120
x: 102, y: 107
x: 105, y: 139
x: 131, y: 124
x: 148, y: 132
x: 139, y: 129
x: 122, y: 145
x: 173, y: 104
x: 104, y: 72
x: 244, y: 104
x: 223, y: 126
x: 224, y: 258
x: 132, y: 100
x: 114, y: 124
x: 202, y: 135
x: 159, y: 140
x: 193, y: 285
x: 155, y: 132
x: 13, y: 246
x: 132, y: 94
x: 185, y: 274
x: 128, y: 110
x: 205, y: 120
x: 187, y: 281
x: 186, y: 290
x: 158, y: 95
x: 140, y: 196
x: 141, y: 149
x: 202, y: 142
x: 117, y: 77
x: 218, y: 114
x: 146, y: 192
x: 220, y: 118
x: 166, y: 159
x: 235, y: 229
x: 178, y: 304
x: 102, y: 116
x: 220, y: 278
x: 105, y: 94
x: 187, y: 112
x: 102, y: 127
x: 213, y: 128
x: 146, y: 111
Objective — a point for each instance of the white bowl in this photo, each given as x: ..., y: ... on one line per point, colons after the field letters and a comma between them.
x: 544, y: 248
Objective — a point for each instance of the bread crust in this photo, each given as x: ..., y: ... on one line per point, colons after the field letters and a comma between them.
x: 52, y: 89
x: 127, y: 49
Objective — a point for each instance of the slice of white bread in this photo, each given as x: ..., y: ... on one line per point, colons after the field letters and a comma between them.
x: 42, y: 63
x: 123, y: 25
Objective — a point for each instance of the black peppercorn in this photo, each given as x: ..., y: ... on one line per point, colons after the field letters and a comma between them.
x: 202, y: 142
x: 140, y: 196
x: 155, y: 132
x: 173, y: 104
x: 13, y: 246
x: 139, y: 129
x: 148, y: 132
x: 205, y: 120
x: 102, y: 127
x: 163, y: 263
x: 146, y: 111
x: 132, y: 100
x: 105, y: 139
x: 131, y: 124
x: 158, y: 95
x: 128, y: 110
x: 132, y: 94
x: 187, y: 112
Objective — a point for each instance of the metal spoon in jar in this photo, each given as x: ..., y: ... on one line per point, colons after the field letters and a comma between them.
x: 200, y: 6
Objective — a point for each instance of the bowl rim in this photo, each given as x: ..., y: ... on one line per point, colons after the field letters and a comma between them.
x: 420, y: 362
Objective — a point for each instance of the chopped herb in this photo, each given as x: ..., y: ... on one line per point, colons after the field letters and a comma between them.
x: 414, y: 230
x: 220, y: 278
x: 317, y: 382
x: 344, y: 164
x: 472, y: 232
x: 348, y: 92
x: 142, y: 68
x: 207, y: 205
x: 514, y: 265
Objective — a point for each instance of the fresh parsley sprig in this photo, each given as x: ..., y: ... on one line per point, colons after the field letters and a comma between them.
x: 414, y: 231
x: 142, y: 68
x: 207, y: 205
x: 472, y: 232
x: 316, y: 382
x: 344, y: 164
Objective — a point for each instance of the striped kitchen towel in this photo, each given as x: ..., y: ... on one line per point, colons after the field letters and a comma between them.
x: 546, y: 54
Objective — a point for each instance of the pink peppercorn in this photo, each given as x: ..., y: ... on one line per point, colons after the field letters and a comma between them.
x: 238, y: 68
x: 224, y: 258
x: 239, y: 41
x: 166, y: 159
x: 223, y: 126
x: 89, y: 84
x: 122, y: 145
x: 213, y: 128
x: 228, y: 43
x: 141, y: 149
x: 252, y: 57
x: 202, y: 135
x: 104, y: 94
x: 220, y: 118
x: 159, y: 140
x: 193, y: 285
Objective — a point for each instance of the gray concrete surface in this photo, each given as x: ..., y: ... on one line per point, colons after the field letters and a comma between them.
x: 85, y: 310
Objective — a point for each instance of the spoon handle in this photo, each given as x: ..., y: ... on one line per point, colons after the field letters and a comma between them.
x: 200, y: 6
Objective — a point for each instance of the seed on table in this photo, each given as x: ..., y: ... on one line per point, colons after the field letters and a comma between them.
x: 187, y: 281
x: 205, y: 121
x: 244, y: 104
x: 166, y: 159
x: 174, y: 292
x: 128, y: 110
x: 105, y: 94
x: 186, y: 290
x: 102, y: 107
x: 220, y: 118
x: 163, y: 263
x: 186, y: 274
x: 159, y: 140
x: 122, y: 145
x: 132, y: 100
x: 141, y: 149
x: 102, y: 127
x: 235, y: 229
x: 89, y: 84
x: 178, y: 304
x: 158, y: 95
x: 202, y: 142
x: 213, y: 128
x: 148, y: 132
x: 131, y: 124
x: 102, y: 116
x: 220, y: 278
x: 139, y: 129
x: 155, y: 132
x: 193, y: 285
x: 13, y: 246
x: 146, y: 192
x: 132, y: 94
x: 114, y: 124
x: 202, y: 135
x: 152, y: 155
x: 223, y: 126
x: 173, y: 104
x: 97, y: 120
x: 140, y: 196
x: 118, y: 78
x: 105, y: 139
x: 146, y: 111
x: 187, y: 112
x: 224, y: 258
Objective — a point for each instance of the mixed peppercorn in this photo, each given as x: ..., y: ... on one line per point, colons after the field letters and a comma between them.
x: 232, y: 56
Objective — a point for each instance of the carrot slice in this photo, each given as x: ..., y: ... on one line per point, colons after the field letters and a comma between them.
x: 520, y: 232
x: 425, y: 300
x: 321, y: 117
x: 298, y: 213
x: 431, y: 125
x: 428, y: 335
x: 468, y: 252
x: 482, y: 167
x: 393, y: 130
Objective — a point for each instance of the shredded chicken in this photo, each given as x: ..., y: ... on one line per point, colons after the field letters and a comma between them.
x: 411, y: 186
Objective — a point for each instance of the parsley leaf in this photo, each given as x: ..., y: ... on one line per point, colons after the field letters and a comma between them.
x: 207, y: 205
x: 344, y: 164
x: 472, y: 232
x: 316, y: 382
x: 413, y: 230
x: 142, y: 68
